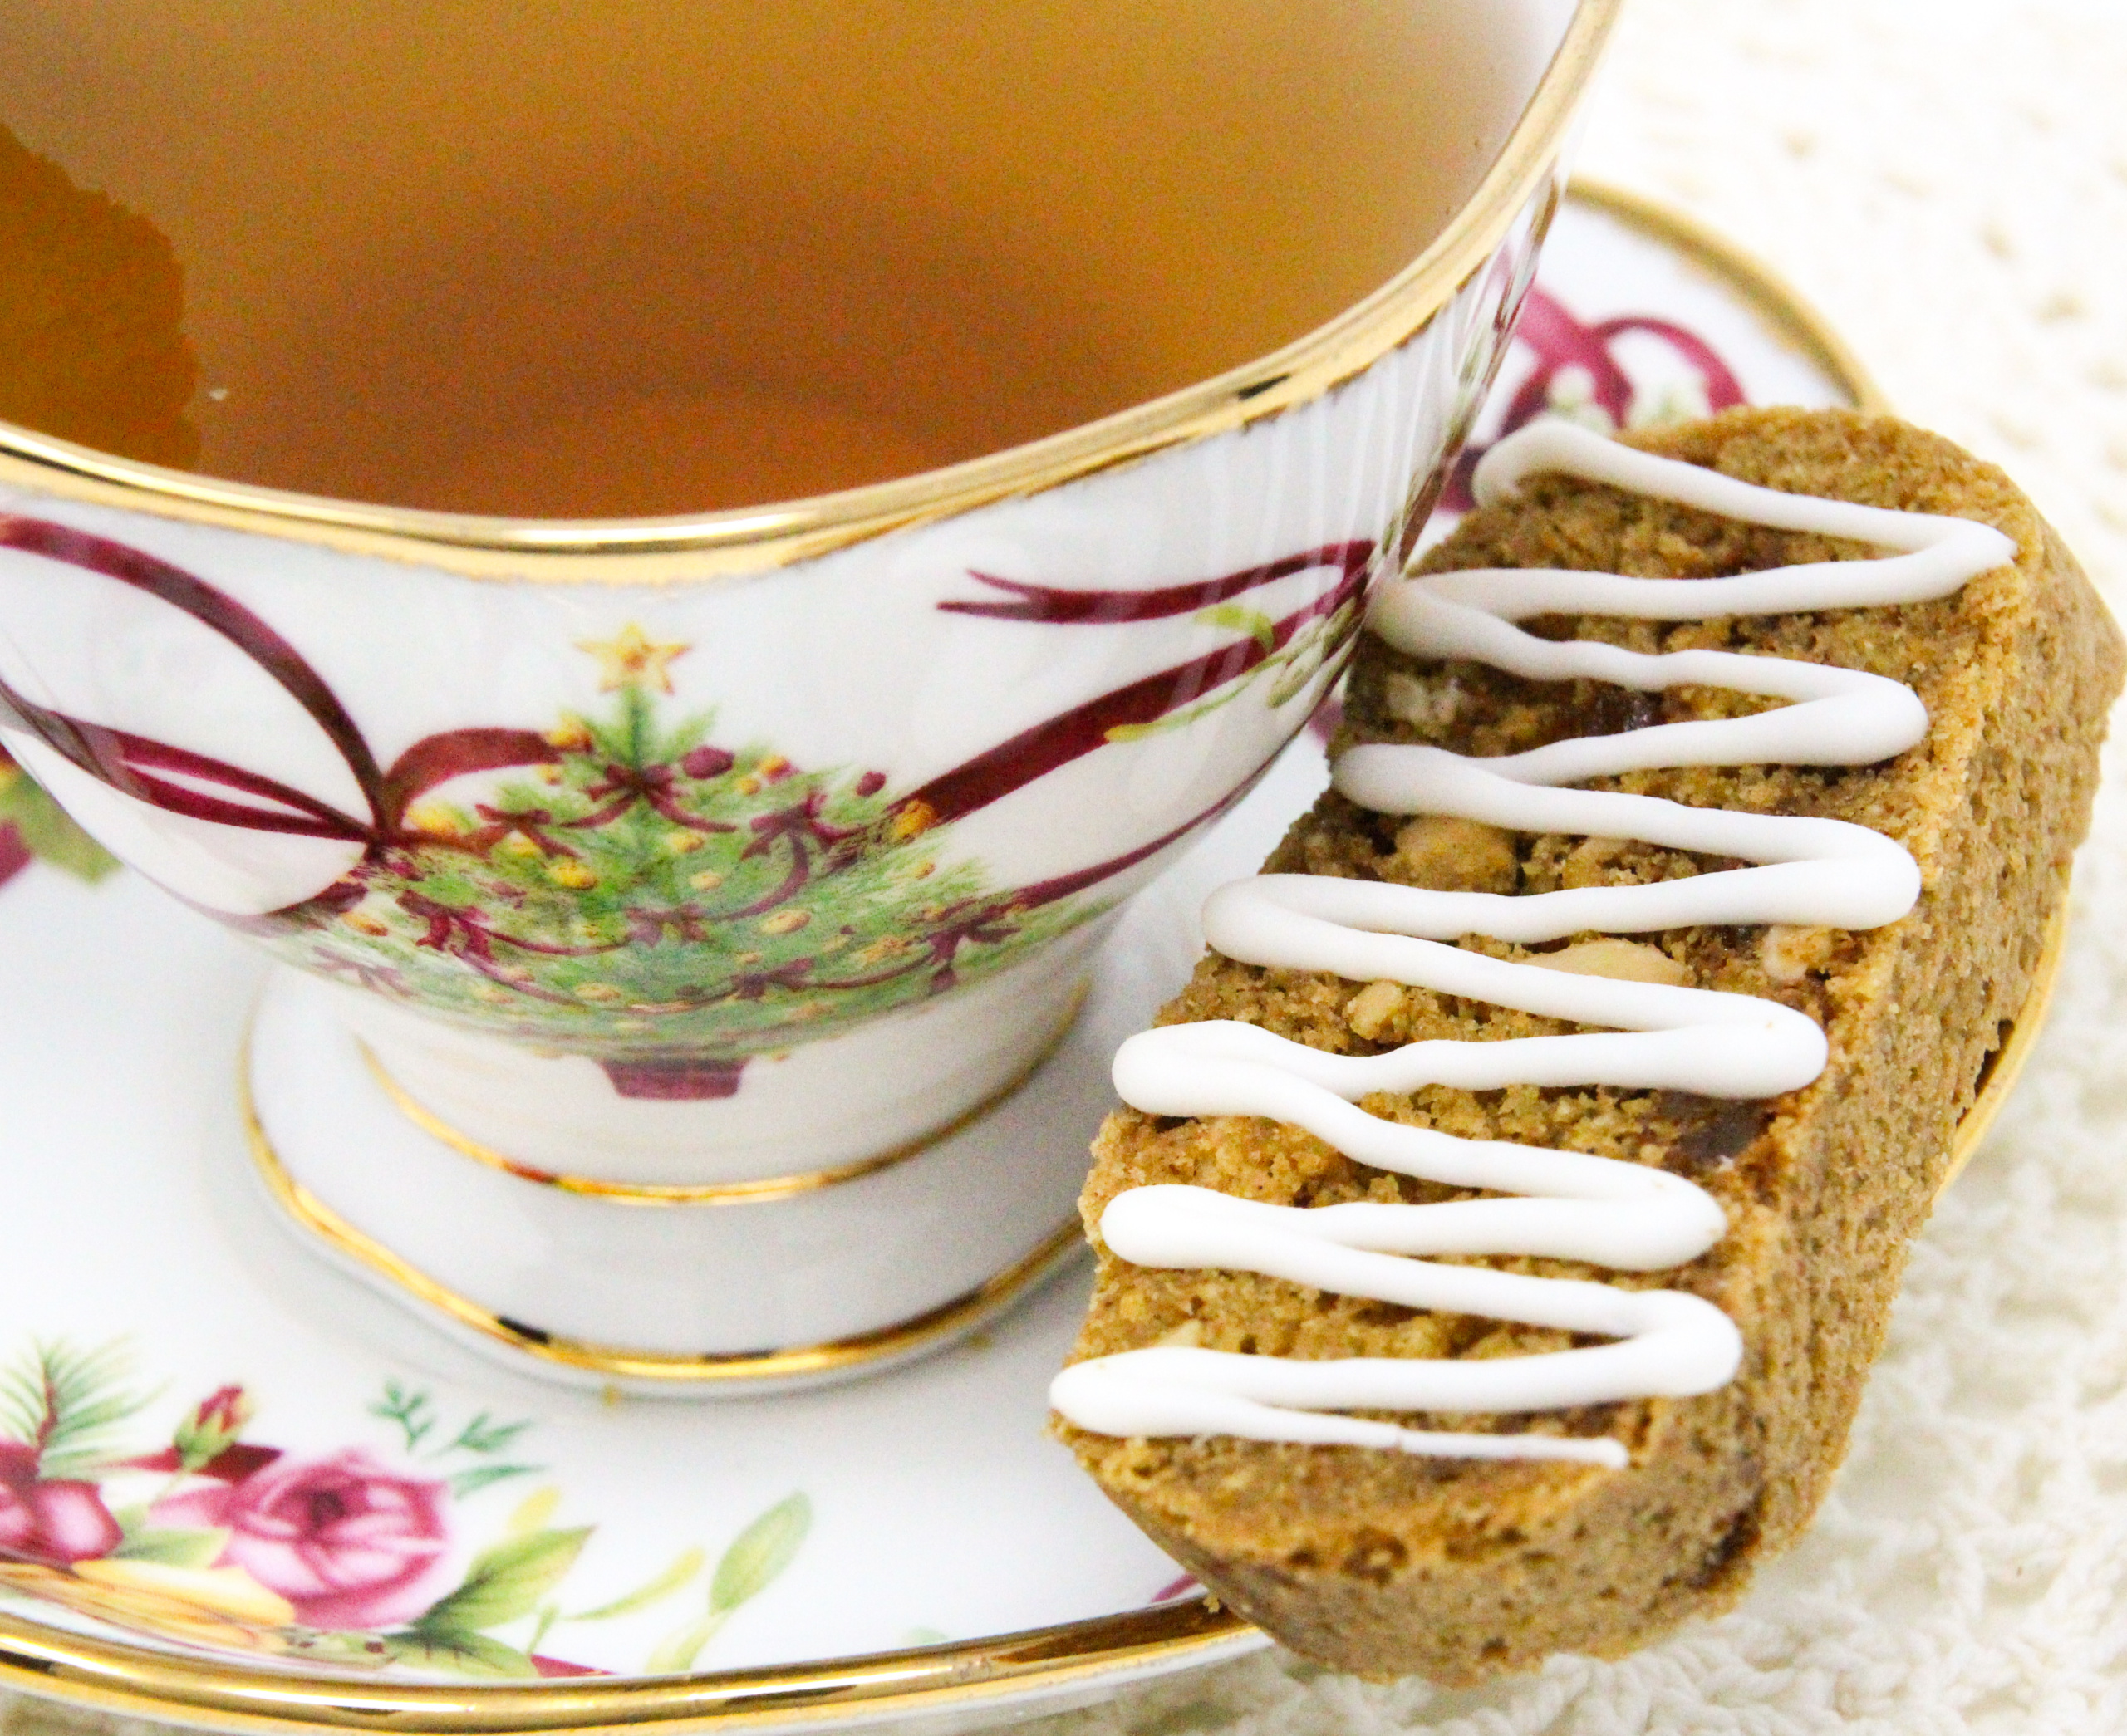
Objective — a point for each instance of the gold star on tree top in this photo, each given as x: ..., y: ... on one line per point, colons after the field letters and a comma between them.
x: 630, y: 656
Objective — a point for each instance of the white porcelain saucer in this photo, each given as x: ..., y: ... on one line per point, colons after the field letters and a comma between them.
x: 269, y: 1498
x: 920, y: 1506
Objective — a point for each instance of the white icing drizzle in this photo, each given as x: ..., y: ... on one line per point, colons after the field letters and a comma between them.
x: 1568, y: 1205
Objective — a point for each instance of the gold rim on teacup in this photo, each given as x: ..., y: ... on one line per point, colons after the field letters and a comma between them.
x: 750, y: 540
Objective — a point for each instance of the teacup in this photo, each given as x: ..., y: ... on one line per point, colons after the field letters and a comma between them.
x: 675, y: 906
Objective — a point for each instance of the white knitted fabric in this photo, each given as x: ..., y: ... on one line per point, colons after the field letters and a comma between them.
x: 1947, y: 179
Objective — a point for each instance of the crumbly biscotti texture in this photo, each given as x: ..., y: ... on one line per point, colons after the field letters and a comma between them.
x: 1457, y: 1570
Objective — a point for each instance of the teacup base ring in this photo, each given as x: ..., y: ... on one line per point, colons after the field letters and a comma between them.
x: 685, y: 1292
x: 756, y: 1191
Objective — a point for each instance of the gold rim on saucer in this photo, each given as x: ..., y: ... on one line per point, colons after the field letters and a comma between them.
x: 1999, y: 1073
x: 1757, y: 284
x: 750, y: 540
x: 133, y: 1682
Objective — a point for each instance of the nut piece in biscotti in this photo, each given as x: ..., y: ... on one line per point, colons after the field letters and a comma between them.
x: 1458, y: 1569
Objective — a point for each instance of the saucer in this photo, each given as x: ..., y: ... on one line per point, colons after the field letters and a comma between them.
x: 284, y: 1502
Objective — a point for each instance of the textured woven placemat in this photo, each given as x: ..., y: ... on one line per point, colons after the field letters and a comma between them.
x: 1947, y: 180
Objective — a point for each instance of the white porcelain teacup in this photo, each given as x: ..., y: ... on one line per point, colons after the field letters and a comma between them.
x: 669, y: 900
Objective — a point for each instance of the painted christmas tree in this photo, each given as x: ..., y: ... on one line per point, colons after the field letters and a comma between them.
x: 664, y: 903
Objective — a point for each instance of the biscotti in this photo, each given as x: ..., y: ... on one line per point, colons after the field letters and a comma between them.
x: 1673, y: 1225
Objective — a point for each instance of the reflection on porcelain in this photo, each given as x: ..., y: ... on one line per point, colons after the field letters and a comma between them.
x: 941, y: 1519
x: 732, y: 876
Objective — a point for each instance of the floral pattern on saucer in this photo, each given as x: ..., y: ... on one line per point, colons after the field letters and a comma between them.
x: 361, y: 1557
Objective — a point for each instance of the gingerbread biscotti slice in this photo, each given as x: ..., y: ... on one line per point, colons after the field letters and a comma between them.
x: 1421, y: 1555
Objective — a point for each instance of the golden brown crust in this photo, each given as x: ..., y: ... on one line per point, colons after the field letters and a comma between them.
x: 1389, y: 1565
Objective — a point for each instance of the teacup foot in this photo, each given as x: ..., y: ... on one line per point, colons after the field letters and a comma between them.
x: 729, y: 1295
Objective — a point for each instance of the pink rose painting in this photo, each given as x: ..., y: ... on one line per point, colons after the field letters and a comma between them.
x: 53, y: 1522
x: 349, y: 1542
x: 358, y: 1558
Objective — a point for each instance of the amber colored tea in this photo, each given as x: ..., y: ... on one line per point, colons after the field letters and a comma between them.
x: 544, y: 258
